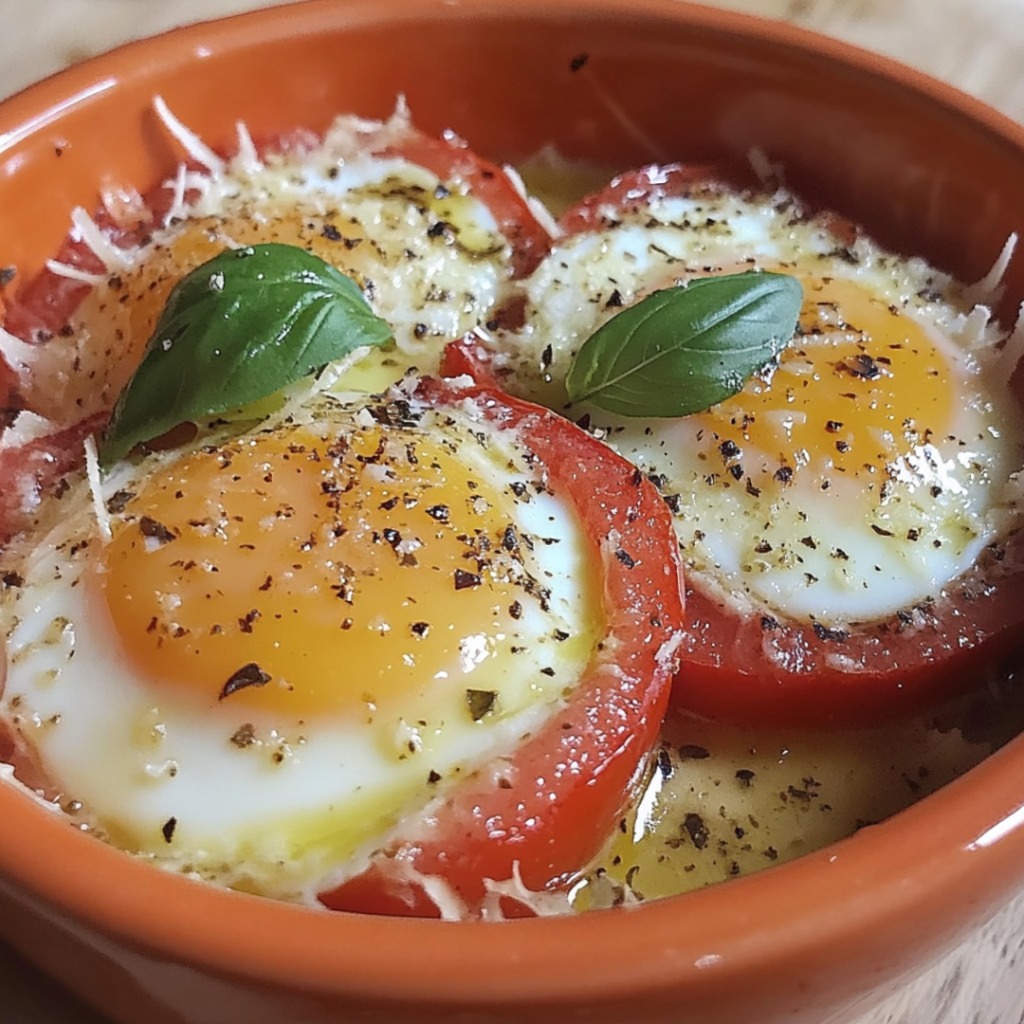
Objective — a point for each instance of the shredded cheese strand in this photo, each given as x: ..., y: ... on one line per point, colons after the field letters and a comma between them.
x: 248, y: 159
x: 92, y: 471
x: 189, y: 141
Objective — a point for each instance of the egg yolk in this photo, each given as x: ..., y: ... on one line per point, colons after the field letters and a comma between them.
x: 305, y: 571
x: 149, y: 284
x: 861, y: 385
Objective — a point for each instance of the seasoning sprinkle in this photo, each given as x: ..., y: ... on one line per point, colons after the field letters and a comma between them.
x: 481, y: 703
x: 246, y: 676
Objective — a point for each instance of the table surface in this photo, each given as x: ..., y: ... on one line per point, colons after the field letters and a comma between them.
x: 974, y: 44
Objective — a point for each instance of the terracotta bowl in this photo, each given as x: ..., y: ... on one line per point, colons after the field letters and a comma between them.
x: 924, y: 169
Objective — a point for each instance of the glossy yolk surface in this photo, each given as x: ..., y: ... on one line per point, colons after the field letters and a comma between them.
x: 310, y: 572
x: 149, y: 284
x: 861, y: 385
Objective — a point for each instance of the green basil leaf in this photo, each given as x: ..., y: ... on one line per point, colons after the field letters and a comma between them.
x: 236, y: 329
x: 685, y: 349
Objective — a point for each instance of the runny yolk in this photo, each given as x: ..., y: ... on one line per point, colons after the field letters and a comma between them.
x: 861, y: 385
x: 149, y: 284
x: 307, y: 572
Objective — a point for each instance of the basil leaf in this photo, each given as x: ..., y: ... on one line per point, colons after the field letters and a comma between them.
x: 684, y: 349
x: 236, y: 329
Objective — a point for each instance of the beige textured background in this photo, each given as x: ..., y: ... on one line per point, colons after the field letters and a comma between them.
x: 975, y: 44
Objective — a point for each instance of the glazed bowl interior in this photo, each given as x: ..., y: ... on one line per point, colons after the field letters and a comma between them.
x: 924, y: 170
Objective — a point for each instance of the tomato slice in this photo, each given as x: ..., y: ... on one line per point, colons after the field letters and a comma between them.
x: 41, y: 307
x: 572, y: 778
x: 756, y: 668
x: 752, y: 667
x: 453, y: 161
x: 32, y: 469
x: 630, y: 191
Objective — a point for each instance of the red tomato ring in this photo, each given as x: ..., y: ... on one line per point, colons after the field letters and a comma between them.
x: 42, y: 305
x: 627, y: 192
x: 574, y: 776
x: 35, y: 468
x: 451, y: 160
x: 753, y: 668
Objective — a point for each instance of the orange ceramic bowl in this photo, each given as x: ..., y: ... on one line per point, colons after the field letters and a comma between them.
x: 924, y: 169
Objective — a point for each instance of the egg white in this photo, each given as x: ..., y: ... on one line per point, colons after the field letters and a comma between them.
x: 258, y: 800
x: 428, y: 255
x: 827, y: 547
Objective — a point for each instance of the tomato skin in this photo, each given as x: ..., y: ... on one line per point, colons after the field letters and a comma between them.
x: 631, y: 190
x: 756, y: 669
x: 749, y: 668
x: 452, y: 160
x: 32, y: 469
x: 570, y: 780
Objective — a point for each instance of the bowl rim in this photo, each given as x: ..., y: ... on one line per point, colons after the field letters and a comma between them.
x: 48, y: 860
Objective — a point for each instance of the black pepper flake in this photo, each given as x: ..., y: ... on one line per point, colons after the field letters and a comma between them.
x: 118, y: 501
x: 547, y: 671
x: 481, y: 703
x: 863, y: 366
x: 745, y: 776
x: 510, y: 539
x: 433, y: 777
x: 824, y: 633
x: 614, y: 300
x: 625, y: 558
x: 578, y: 61
x: 515, y: 609
x: 695, y: 828
x: 149, y: 527
x: 561, y: 635
x: 464, y: 580
x: 730, y: 450
x: 393, y: 537
x: 12, y: 579
x: 439, y: 512
x: 880, y: 531
x: 664, y: 763
x: 245, y: 624
x: 420, y: 629
x: 388, y: 505
x: 784, y: 474
x: 246, y: 676
x: 693, y: 752
x: 769, y: 623
x: 833, y: 426
x: 167, y: 829
x: 809, y: 542
x: 244, y: 736
x: 674, y: 502
x: 331, y: 233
